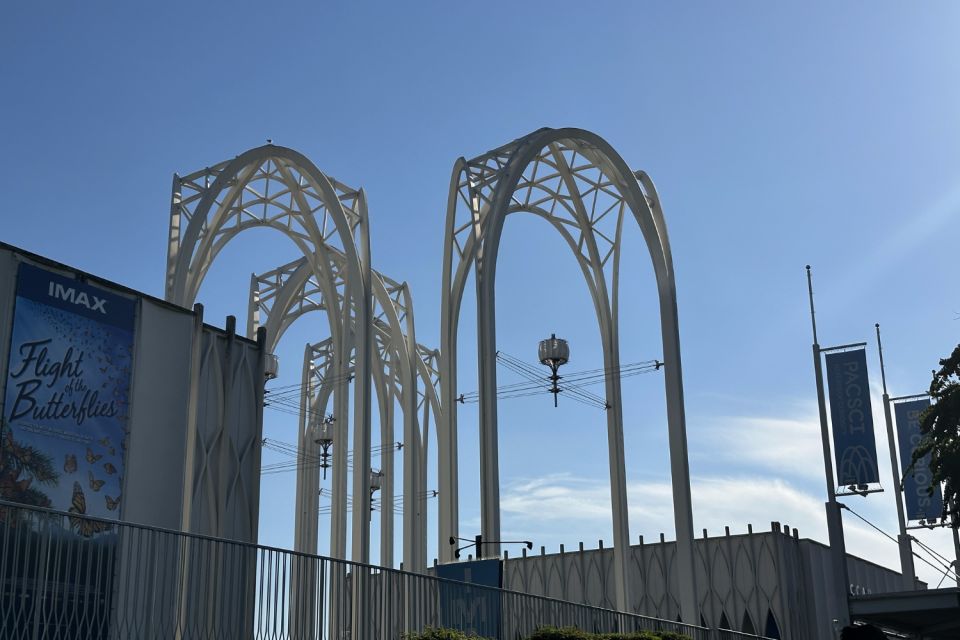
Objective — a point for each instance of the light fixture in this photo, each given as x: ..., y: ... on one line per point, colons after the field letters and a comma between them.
x: 322, y: 434
x: 554, y: 352
x: 376, y: 482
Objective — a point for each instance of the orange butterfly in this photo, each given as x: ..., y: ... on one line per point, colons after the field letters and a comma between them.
x: 84, y: 527
x: 94, y: 483
x: 70, y: 463
x: 92, y: 457
x: 111, y: 503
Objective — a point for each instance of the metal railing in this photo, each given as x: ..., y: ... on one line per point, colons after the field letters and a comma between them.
x: 66, y: 576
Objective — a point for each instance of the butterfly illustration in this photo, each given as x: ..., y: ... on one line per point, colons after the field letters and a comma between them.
x: 111, y: 503
x: 70, y: 463
x: 81, y: 525
x: 105, y: 441
x: 109, y: 468
x: 92, y: 457
x: 94, y: 483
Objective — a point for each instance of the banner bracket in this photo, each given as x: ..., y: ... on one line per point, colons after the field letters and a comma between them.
x: 915, y: 396
x: 841, y: 347
x: 857, y: 492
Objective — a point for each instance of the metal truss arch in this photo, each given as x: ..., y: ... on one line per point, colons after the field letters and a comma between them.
x: 276, y: 187
x: 277, y: 299
x: 219, y: 202
x: 578, y: 183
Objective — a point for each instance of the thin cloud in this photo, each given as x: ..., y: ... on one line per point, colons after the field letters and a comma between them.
x: 789, y: 446
x: 563, y: 509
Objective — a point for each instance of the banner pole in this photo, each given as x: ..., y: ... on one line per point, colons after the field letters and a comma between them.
x: 838, y: 552
x: 903, y: 540
x: 956, y: 546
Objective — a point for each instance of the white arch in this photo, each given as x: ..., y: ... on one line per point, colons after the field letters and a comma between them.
x: 286, y: 293
x: 277, y: 187
x: 559, y: 175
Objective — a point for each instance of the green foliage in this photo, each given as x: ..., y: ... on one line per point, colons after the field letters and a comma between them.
x: 572, y: 633
x: 20, y: 467
x: 550, y: 633
x: 432, y: 633
x: 940, y: 426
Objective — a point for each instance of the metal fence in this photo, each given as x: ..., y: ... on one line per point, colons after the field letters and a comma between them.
x: 66, y: 576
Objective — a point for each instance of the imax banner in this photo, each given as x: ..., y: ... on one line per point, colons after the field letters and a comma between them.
x: 921, y: 505
x: 853, y: 443
x: 67, y: 397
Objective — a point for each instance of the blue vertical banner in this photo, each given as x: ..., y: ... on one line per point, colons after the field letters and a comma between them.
x: 920, y: 503
x: 854, y: 445
x: 67, y: 397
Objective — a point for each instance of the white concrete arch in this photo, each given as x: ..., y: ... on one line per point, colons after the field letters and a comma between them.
x: 579, y: 184
x: 279, y: 188
x: 277, y: 299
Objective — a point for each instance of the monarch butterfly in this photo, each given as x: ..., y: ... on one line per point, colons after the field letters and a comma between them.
x: 94, y: 483
x: 109, y: 468
x: 105, y: 441
x: 92, y: 457
x: 70, y: 463
x: 111, y: 503
x: 84, y: 527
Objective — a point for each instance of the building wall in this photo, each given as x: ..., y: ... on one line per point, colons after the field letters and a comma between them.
x: 196, y: 412
x: 743, y: 580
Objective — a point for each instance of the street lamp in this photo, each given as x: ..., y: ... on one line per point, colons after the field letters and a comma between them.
x: 554, y: 352
x: 322, y: 434
x: 376, y: 482
x: 478, y: 542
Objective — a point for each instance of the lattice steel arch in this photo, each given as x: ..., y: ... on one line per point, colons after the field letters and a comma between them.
x: 576, y: 182
x: 288, y: 292
x: 279, y: 188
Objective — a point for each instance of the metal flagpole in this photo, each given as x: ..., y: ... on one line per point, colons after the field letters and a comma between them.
x: 838, y: 552
x: 903, y: 540
x: 956, y: 546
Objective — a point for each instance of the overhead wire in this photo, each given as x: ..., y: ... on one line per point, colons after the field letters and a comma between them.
x: 287, y: 399
x: 534, y: 375
x: 302, y: 460
x: 580, y: 378
x: 572, y: 384
x: 423, y: 496
x: 945, y: 569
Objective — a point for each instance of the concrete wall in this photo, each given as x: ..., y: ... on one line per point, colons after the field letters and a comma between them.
x: 743, y: 580
x: 196, y: 413
x: 192, y: 461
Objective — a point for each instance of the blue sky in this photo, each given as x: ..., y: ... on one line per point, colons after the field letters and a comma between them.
x: 777, y: 135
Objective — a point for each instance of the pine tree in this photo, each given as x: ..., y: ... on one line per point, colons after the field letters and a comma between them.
x: 940, y: 426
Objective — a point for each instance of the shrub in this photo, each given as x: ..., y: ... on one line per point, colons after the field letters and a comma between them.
x: 432, y: 633
x: 572, y: 633
x: 549, y: 633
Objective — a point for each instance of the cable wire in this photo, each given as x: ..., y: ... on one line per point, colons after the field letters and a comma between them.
x: 945, y: 569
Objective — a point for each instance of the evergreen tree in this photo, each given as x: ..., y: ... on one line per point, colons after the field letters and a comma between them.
x: 940, y: 426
